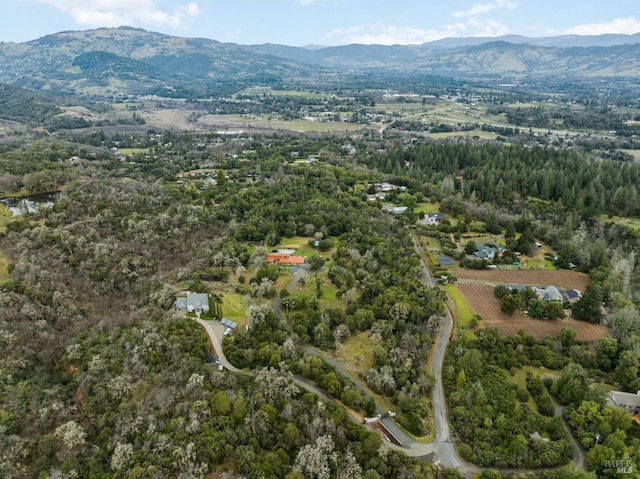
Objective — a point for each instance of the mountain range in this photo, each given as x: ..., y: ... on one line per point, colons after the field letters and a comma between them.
x: 113, y: 61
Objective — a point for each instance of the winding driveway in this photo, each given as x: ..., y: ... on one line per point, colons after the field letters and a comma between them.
x: 442, y: 448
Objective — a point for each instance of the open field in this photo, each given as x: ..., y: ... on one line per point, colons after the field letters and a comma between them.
x: 560, y: 278
x: 357, y: 351
x: 427, y: 208
x: 133, y: 151
x: 234, y: 307
x: 480, y: 298
x: 619, y: 220
x: 634, y: 153
x: 541, y: 328
x: 239, y: 122
x: 328, y: 299
x: 302, y: 247
x: 260, y: 90
x: 459, y: 307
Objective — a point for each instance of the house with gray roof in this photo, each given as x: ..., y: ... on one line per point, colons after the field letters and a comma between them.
x: 488, y: 250
x: 396, y: 210
x: 624, y: 400
x: 549, y: 293
x: 192, y: 303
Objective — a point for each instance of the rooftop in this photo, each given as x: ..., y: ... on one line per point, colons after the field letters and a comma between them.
x: 622, y: 399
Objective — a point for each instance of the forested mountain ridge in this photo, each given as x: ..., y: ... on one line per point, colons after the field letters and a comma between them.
x: 493, y: 58
x: 133, y: 61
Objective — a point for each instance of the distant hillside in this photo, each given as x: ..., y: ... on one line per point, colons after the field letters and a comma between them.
x: 501, y: 58
x: 127, y: 60
x: 18, y: 104
x: 563, y: 41
x: 123, y: 61
x: 497, y: 58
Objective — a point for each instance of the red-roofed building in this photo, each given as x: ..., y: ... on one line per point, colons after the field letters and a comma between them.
x: 284, y: 258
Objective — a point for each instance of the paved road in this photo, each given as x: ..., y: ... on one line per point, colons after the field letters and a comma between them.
x: 443, y: 447
x: 426, y: 275
x: 210, y: 327
x: 578, y: 452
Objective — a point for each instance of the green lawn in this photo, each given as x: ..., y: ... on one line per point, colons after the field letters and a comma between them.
x: 429, y: 242
x: 133, y: 151
x: 329, y: 290
x: 427, y: 208
x: 462, y: 312
x: 234, y: 307
x: 292, y: 93
x: 302, y: 247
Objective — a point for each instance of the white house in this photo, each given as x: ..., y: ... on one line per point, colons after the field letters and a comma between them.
x: 193, y: 303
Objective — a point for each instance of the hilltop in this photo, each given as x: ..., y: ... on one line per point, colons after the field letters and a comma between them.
x: 111, y: 61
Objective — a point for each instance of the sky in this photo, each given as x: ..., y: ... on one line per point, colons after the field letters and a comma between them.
x: 323, y: 22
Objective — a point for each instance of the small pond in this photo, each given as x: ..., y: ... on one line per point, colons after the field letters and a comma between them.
x: 29, y: 203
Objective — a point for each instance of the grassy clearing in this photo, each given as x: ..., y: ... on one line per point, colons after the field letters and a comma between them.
x: 302, y: 247
x: 481, y: 238
x: 291, y: 93
x: 462, y: 312
x: 234, y: 307
x: 520, y: 378
x: 329, y: 291
x: 133, y: 151
x: 357, y: 351
x: 269, y: 123
x: 314, y: 126
x: 4, y: 267
x: 634, y: 153
x: 427, y: 208
x: 431, y: 256
x: 429, y: 242
x: 412, y: 108
x: 298, y: 94
x: 622, y: 220
x: 5, y: 217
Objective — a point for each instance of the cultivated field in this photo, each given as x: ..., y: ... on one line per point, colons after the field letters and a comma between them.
x: 480, y: 298
x: 560, y: 278
x: 540, y: 328
x: 482, y: 301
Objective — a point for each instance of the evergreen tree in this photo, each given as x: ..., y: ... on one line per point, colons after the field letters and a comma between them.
x: 587, y: 308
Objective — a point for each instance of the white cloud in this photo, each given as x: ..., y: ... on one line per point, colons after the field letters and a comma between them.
x: 392, y: 35
x: 307, y: 2
x: 482, y: 8
x: 628, y: 25
x: 114, y: 13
